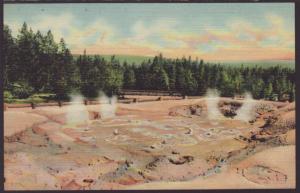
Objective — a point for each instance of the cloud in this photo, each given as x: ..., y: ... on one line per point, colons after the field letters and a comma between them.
x: 275, y: 20
x: 99, y: 31
x: 56, y: 23
x: 143, y: 32
x: 237, y: 40
x: 64, y: 26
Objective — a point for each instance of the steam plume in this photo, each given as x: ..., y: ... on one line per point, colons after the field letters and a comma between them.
x: 107, y: 105
x: 212, y: 99
x: 246, y: 112
x: 76, y: 112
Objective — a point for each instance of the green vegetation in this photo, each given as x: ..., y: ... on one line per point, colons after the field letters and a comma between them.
x: 262, y: 63
x: 137, y: 60
x: 122, y: 58
x: 35, y: 98
x: 35, y: 63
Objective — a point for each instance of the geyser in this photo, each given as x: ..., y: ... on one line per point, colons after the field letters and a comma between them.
x: 246, y: 112
x: 77, y: 112
x: 107, y: 105
x: 212, y: 99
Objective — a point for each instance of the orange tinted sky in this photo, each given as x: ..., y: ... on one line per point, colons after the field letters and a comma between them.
x: 236, y: 31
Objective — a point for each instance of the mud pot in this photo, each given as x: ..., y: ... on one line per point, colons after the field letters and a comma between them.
x: 150, y: 145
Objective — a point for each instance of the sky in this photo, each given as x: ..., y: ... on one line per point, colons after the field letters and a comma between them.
x: 210, y: 31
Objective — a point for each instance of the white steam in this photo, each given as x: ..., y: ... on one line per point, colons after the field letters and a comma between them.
x: 246, y: 112
x: 77, y: 112
x: 212, y: 99
x: 108, y: 106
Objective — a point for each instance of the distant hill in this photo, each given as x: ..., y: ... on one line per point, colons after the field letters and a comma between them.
x: 263, y: 63
x: 122, y: 58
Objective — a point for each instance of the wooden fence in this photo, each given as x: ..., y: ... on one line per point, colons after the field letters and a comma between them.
x: 124, y: 92
x: 86, y: 102
x: 121, y: 94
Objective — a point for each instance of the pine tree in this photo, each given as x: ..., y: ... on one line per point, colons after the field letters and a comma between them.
x: 190, y: 84
x: 162, y: 81
x: 10, y: 73
x: 38, y: 66
x: 257, y: 88
x: 50, y: 49
x: 180, y: 78
x: 113, y: 80
x: 33, y: 60
x: 268, y: 90
x: 60, y: 71
x: 129, y: 77
x: 225, y: 84
x: 172, y: 76
x: 25, y: 53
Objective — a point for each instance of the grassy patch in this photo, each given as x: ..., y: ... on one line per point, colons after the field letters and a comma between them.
x: 35, y: 98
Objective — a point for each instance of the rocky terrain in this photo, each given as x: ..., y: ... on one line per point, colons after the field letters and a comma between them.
x: 151, y: 145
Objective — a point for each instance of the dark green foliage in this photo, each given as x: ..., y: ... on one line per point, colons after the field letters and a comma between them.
x: 268, y: 90
x: 9, y: 56
x: 8, y: 97
x: 62, y: 71
x: 21, y: 90
x: 89, y: 80
x: 292, y: 95
x: 35, y: 63
x: 113, y: 77
x: 190, y: 84
x: 129, y: 77
x: 162, y: 80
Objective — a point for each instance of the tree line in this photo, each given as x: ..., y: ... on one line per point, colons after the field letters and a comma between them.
x: 35, y: 63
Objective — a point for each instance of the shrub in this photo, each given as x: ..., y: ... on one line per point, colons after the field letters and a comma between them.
x: 36, y: 99
x: 8, y: 97
x: 22, y: 90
